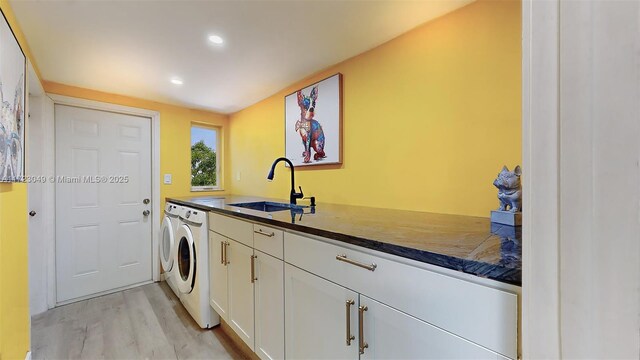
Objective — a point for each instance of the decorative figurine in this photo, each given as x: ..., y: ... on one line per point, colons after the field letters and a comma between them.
x: 510, y: 196
x: 509, y: 189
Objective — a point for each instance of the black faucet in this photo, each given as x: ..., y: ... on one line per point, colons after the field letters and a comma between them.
x: 294, y: 195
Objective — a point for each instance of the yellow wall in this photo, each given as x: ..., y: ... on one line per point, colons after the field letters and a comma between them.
x: 429, y: 119
x: 14, y: 279
x: 175, y: 135
x: 14, y: 276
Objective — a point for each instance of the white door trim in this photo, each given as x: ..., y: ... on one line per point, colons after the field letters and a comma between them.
x: 155, y: 165
x: 47, y: 210
x: 540, y: 324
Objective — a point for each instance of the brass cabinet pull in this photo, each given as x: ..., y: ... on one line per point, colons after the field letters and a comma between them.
x: 363, y: 344
x: 253, y: 269
x: 222, y: 252
x: 226, y: 260
x: 349, y: 336
x: 269, y: 234
x: 344, y: 258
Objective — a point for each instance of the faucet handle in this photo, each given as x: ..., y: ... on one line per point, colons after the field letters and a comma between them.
x: 312, y: 200
x: 300, y: 193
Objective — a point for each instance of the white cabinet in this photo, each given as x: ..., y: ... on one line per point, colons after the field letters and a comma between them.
x: 240, y: 290
x: 291, y: 296
x: 481, y: 314
x: 320, y: 316
x: 247, y: 285
x: 316, y: 317
x: 269, y: 306
x: 268, y: 240
x: 391, y: 334
x: 218, y: 294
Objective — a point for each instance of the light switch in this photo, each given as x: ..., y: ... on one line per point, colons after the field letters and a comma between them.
x: 238, y: 176
x: 167, y: 179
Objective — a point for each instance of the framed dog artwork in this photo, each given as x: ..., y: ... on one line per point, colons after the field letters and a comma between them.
x: 313, y: 123
x: 12, y: 99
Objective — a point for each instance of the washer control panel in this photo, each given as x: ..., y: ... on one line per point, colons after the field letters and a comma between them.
x: 194, y: 216
x: 173, y: 209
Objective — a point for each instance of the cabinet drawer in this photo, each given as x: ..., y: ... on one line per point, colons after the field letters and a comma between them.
x: 268, y: 240
x: 486, y: 316
x: 235, y: 229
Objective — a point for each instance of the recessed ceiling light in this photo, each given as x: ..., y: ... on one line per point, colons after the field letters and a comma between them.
x: 216, y: 39
x: 176, y: 81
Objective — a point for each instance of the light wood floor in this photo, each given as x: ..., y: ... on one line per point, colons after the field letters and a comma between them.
x: 147, y: 322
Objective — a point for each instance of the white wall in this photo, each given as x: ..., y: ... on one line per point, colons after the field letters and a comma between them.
x: 581, y: 265
x: 600, y: 179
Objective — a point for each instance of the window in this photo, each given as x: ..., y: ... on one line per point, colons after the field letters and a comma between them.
x: 205, y: 169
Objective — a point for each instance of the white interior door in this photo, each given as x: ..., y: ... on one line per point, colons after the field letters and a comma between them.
x: 103, y: 170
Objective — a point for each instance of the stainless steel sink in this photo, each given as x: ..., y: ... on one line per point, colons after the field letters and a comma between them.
x: 268, y: 206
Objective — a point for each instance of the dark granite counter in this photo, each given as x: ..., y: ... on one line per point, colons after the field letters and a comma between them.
x: 469, y: 244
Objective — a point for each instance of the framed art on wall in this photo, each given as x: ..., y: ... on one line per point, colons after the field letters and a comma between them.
x: 12, y: 101
x: 313, y: 123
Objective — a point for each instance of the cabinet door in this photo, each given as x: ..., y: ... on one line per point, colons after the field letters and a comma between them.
x: 316, y: 317
x: 269, y: 306
x: 218, y: 295
x: 240, y: 286
x: 391, y: 334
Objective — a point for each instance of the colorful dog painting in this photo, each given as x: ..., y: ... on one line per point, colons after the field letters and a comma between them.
x: 313, y: 123
x: 309, y: 128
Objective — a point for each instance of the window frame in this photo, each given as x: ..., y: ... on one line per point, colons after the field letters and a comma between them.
x: 218, y: 131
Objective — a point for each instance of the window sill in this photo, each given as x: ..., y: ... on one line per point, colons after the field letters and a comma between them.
x: 206, y: 189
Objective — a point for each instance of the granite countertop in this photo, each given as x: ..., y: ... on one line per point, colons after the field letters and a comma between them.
x: 464, y: 243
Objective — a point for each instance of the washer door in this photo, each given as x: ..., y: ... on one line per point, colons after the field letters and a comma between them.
x: 167, y: 244
x: 186, y: 257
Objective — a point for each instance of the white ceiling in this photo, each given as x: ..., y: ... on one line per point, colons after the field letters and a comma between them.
x: 135, y: 47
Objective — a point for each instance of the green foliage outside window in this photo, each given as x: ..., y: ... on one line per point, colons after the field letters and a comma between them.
x: 203, y: 165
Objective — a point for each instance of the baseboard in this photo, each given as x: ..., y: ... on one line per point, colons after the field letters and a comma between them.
x: 246, y: 350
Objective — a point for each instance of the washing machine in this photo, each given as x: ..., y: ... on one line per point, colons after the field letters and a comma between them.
x: 168, y: 244
x: 192, y: 264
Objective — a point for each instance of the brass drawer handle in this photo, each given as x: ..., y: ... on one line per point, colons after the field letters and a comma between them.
x: 269, y: 234
x: 344, y: 258
x: 349, y: 336
x: 253, y: 269
x: 363, y: 344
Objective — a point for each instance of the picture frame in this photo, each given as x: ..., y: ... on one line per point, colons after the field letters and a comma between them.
x: 13, y: 100
x: 313, y: 123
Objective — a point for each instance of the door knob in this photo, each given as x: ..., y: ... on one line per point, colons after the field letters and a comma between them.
x: 32, y: 213
x: 146, y: 213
